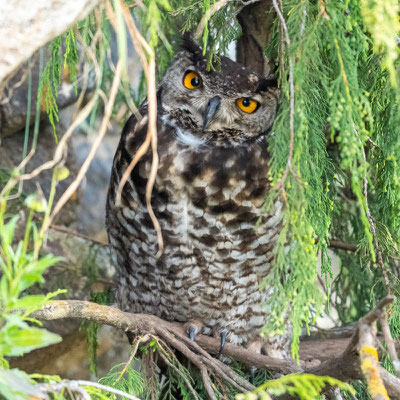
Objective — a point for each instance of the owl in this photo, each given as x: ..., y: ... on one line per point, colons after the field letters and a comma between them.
x: 211, y: 184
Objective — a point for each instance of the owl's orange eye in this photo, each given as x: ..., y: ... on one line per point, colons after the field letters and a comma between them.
x: 247, y: 104
x: 192, y: 80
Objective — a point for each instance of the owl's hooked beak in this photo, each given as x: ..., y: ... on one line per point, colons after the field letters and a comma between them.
x: 212, y: 108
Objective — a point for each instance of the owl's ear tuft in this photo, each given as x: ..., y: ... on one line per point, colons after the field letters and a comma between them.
x: 270, y: 82
x: 190, y: 45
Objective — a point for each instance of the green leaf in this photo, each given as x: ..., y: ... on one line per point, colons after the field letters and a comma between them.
x: 17, y: 385
x: 17, y: 337
x: 29, y: 302
x: 7, y: 233
x: 33, y: 272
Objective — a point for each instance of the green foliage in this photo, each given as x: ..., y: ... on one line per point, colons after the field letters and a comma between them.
x: 304, y: 387
x: 71, y: 58
x: 361, y: 391
x: 338, y: 80
x: 222, y: 24
x: 154, y: 18
x: 49, y: 82
x: 126, y: 379
x: 50, y: 78
x: 381, y: 18
x: 307, y: 193
x: 20, y: 270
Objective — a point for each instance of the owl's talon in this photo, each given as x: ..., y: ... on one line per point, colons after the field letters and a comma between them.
x: 223, y: 341
x: 192, y: 328
x: 191, y: 333
x: 253, y: 370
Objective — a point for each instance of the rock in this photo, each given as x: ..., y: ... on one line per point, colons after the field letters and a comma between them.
x: 90, y: 218
x: 14, y: 103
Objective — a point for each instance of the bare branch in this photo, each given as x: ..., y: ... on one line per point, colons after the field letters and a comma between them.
x: 345, y: 366
x: 142, y: 324
x: 147, y: 59
x: 77, y: 386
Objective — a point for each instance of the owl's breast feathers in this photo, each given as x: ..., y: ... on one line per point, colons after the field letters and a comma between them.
x: 208, y: 200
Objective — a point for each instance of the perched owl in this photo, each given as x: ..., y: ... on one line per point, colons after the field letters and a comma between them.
x: 208, y: 196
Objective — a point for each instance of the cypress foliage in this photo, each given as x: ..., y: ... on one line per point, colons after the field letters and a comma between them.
x: 335, y: 146
x: 343, y: 171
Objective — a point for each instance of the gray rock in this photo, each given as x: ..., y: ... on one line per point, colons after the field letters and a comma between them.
x: 14, y: 103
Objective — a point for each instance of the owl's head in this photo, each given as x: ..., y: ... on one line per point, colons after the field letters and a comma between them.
x: 233, y: 104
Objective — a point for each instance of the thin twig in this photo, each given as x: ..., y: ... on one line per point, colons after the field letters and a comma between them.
x: 142, y: 48
x: 140, y: 339
x: 82, y: 172
x: 61, y: 229
x: 216, y: 364
x: 76, y: 386
x: 106, y: 388
x: 162, y: 354
x: 389, y: 341
x: 207, y: 383
x: 206, y: 17
x: 58, y: 154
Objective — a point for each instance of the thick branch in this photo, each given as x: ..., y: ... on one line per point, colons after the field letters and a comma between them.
x: 345, y: 366
x: 143, y: 323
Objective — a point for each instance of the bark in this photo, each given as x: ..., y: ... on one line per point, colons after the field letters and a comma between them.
x: 347, y: 365
x: 256, y: 21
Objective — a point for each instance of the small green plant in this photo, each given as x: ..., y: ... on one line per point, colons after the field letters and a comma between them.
x: 20, y: 270
x: 304, y: 387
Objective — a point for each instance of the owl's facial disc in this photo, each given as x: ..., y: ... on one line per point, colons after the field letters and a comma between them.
x: 212, y: 108
x: 222, y: 107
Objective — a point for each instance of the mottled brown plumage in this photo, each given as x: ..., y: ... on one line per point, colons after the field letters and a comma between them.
x: 211, y: 183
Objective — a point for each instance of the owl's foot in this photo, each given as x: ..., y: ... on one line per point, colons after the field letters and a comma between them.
x: 192, y: 328
x: 223, y: 341
x: 262, y: 346
x: 253, y: 370
x: 255, y: 346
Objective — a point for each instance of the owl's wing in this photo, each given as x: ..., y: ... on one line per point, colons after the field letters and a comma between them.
x: 132, y: 137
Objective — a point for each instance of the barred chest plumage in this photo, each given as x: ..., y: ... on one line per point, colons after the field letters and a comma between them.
x: 208, y: 201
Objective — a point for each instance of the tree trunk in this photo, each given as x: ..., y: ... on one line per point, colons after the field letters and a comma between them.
x: 255, y: 20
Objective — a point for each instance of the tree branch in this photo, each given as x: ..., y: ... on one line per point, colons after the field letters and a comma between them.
x: 142, y: 323
x: 345, y: 366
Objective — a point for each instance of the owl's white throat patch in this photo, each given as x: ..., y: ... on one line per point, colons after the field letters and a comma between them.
x: 183, y: 136
x: 187, y: 138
